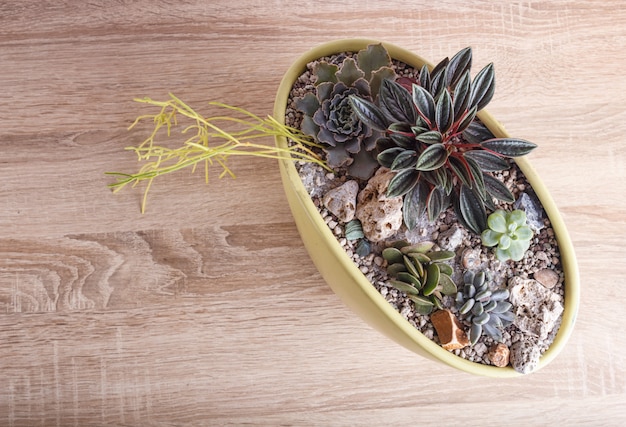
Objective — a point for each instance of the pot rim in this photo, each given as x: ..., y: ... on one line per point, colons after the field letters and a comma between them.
x: 432, y: 350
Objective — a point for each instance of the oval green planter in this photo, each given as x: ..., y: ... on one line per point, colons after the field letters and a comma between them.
x: 347, y: 281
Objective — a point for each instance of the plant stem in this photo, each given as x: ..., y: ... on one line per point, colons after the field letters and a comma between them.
x: 161, y: 160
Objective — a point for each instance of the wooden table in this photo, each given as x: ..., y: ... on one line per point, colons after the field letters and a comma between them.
x: 206, y: 310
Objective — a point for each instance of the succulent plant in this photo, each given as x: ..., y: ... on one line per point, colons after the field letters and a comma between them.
x: 509, y: 233
x: 329, y: 116
x: 421, y: 273
x: 354, y: 233
x: 488, y: 311
x: 441, y: 154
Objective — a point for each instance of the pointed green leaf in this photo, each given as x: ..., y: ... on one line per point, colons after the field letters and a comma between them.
x: 483, y: 87
x: 387, y: 157
x: 424, y: 79
x: 441, y: 255
x: 435, y: 204
x: 402, y: 182
x: 414, y: 204
x: 487, y: 161
x: 496, y: 188
x: 406, y: 159
x: 369, y: 113
x: 444, y: 116
x: 430, y: 137
x: 460, y: 170
x: 432, y: 158
x: 462, y: 94
x: 397, y: 103
x: 509, y: 147
x: 467, y: 120
x: 402, y: 140
x: 477, y: 178
x: 472, y: 209
x: 425, y: 103
x: 459, y: 64
x: 477, y: 132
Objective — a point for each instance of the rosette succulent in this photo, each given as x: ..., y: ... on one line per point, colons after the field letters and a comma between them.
x: 329, y: 116
x: 509, y: 233
x: 488, y: 311
x: 441, y: 153
x: 420, y: 273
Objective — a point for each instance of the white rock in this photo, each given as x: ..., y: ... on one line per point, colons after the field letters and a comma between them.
x: 525, y: 356
x: 341, y: 201
x: 380, y: 216
x: 537, y: 309
x: 450, y: 239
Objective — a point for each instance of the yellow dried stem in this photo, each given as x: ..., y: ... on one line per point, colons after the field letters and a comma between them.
x: 197, y: 149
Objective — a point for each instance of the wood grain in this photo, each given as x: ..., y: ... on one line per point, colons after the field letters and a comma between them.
x: 206, y: 310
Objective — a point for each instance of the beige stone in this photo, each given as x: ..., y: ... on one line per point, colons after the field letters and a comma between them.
x: 499, y: 354
x: 547, y: 277
x: 380, y: 216
x: 537, y: 309
x: 341, y: 201
x: 449, y: 330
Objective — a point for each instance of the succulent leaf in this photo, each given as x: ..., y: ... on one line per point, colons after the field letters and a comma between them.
x: 508, y: 232
x: 421, y: 269
x: 373, y: 58
x: 325, y: 72
x: 349, y: 72
x: 486, y: 311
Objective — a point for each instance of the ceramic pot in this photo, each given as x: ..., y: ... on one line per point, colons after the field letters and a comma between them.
x: 347, y: 281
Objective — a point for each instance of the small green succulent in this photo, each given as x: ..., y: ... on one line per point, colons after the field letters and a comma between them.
x: 488, y: 311
x: 421, y: 273
x: 441, y: 155
x: 328, y: 114
x: 508, y: 232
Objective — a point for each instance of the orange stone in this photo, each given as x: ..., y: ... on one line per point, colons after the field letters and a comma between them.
x: 499, y: 355
x: 449, y: 330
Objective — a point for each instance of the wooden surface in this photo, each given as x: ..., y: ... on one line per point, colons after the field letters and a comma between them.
x: 206, y: 310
